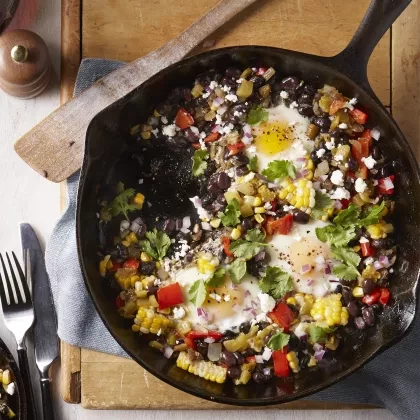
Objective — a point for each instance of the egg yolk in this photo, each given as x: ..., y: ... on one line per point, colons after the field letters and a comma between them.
x: 273, y: 137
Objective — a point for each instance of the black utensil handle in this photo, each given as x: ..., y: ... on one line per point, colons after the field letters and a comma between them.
x: 47, y: 401
x: 27, y: 384
x: 353, y: 60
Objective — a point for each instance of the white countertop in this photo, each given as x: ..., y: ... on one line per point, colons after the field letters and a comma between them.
x: 28, y: 197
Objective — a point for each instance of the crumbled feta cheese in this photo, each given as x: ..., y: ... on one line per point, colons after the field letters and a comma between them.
x: 239, y: 80
x: 182, y: 251
x: 11, y: 388
x: 320, y: 259
x: 169, y: 130
x: 164, y: 120
x: 203, y: 135
x: 337, y: 178
x: 226, y: 298
x: 343, y: 126
x: 226, y: 88
x: 218, y: 119
x: 363, y: 240
x: 353, y: 101
x: 338, y: 157
x: 267, y: 303
x: 231, y: 97
x: 267, y: 354
x: 202, y: 144
x: 195, y: 130
x: 141, y: 180
x: 155, y: 131
x: 213, y: 84
x: 237, y: 114
x: 284, y: 94
x: 288, y: 208
x: 179, y: 313
x: 252, y: 150
x: 369, y: 162
x: 294, y: 105
x: 375, y: 182
x: 360, y: 185
x: 268, y: 206
x: 330, y: 144
x: 157, y: 282
x: 261, y: 318
x: 215, y: 296
x: 226, y: 129
x: 248, y: 177
x: 340, y: 193
x: 369, y: 261
x: 391, y: 270
x: 205, y: 95
x: 202, y: 213
x: 320, y: 153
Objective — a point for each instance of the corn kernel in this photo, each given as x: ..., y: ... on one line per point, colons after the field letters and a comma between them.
x: 259, y: 210
x: 358, y: 292
x: 139, y: 200
x: 126, y: 243
x: 215, y: 223
x: 259, y: 218
x: 299, y: 202
x: 283, y: 194
x: 291, y: 301
x: 156, y: 113
x: 290, y: 188
x: 235, y: 234
x: 309, y: 175
x: 135, y: 328
x: 145, y: 257
x: 310, y: 164
x: 374, y: 231
x: 7, y: 377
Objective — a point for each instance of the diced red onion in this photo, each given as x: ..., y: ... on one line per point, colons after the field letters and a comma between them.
x: 298, y: 175
x: 208, y: 90
x: 267, y: 371
x: 253, y: 312
x: 273, y: 185
x: 254, y: 304
x: 235, y: 307
x: 383, y: 259
x: 306, y: 268
x: 375, y: 133
x: 125, y: 224
x: 206, y: 226
x: 216, y: 102
x: 261, y: 177
x: 178, y: 224
x: 304, y: 172
x: 319, y: 354
x: 323, y: 177
x: 299, y: 331
x: 388, y: 184
x: 168, y: 352
x: 234, y: 287
x: 310, y: 282
x: 377, y: 265
x: 317, y: 347
x: 247, y: 130
x: 259, y: 358
x: 186, y: 222
x: 209, y: 340
x: 214, y: 351
x: 327, y: 269
x: 301, y: 160
x: 215, y: 129
x: 266, y: 354
x: 247, y: 293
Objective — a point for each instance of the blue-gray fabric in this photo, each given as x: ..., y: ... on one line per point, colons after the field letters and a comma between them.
x: 391, y: 380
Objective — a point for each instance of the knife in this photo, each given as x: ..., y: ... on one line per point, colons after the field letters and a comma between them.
x: 45, y: 331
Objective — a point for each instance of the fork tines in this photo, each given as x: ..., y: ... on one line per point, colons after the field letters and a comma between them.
x: 17, y: 287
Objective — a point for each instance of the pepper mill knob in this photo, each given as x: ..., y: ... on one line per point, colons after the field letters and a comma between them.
x: 25, y: 65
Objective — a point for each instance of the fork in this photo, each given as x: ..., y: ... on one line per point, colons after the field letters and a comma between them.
x: 19, y: 316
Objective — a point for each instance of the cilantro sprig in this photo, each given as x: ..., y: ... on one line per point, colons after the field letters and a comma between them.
x: 156, y: 244
x: 318, y: 334
x: 278, y: 169
x: 278, y: 341
x: 197, y: 293
x: 237, y: 270
x: 276, y: 282
x: 257, y: 115
x: 322, y: 203
x: 231, y: 215
x: 217, y: 279
x: 122, y: 202
x: 253, y: 164
x: 199, y: 162
x: 250, y: 246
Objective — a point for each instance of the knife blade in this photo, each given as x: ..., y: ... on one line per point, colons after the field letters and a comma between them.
x: 45, y: 330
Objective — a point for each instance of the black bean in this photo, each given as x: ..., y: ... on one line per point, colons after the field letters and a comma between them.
x: 263, y: 324
x: 377, y: 308
x: 206, y: 200
x: 258, y: 81
x: 368, y: 315
x: 248, y: 352
x: 259, y: 377
x: 306, y: 110
x: 396, y: 166
x: 304, y: 360
x: 384, y: 243
x: 227, y: 81
x: 190, y: 135
x: 300, y: 217
x: 338, y: 289
x: 323, y: 123
x: 233, y: 72
x: 246, y: 224
x: 309, y: 89
x: 376, y: 152
x: 352, y: 162
x: 202, y: 347
x: 147, y: 268
x: 353, y: 308
x: 212, y: 186
x: 347, y: 295
x: 360, y: 323
x: 221, y: 199
x: 314, y: 157
x: 239, y: 160
x: 340, y: 136
x: 290, y: 83
x: 368, y: 285
x: 245, y: 327
x: 168, y: 225
x: 228, y: 359
x: 260, y: 256
x: 305, y: 99
x: 234, y: 372
x: 152, y: 290
x: 242, y: 171
x: 384, y: 171
x: 223, y: 180
x: 240, y: 359
x: 122, y: 251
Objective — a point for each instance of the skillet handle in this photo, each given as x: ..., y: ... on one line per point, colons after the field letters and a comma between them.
x: 353, y: 60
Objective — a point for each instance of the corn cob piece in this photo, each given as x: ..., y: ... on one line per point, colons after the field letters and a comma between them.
x: 293, y: 361
x: 330, y: 310
x: 147, y: 321
x: 201, y: 368
x: 299, y: 194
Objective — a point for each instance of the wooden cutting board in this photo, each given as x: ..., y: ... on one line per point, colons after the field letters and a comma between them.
x: 125, y: 30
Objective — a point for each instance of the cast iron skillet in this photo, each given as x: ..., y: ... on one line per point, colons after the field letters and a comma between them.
x: 105, y: 161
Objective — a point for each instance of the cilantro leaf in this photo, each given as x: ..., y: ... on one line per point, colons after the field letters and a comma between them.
x: 255, y: 235
x: 231, y: 215
x: 336, y: 235
x: 348, y: 217
x: 197, y: 293
x: 322, y: 203
x: 199, y: 162
x: 373, y: 216
x: 246, y: 249
x: 237, y: 270
x: 346, y: 272
x: 279, y: 169
x: 346, y: 255
x: 276, y: 282
x: 157, y: 244
x: 278, y: 341
x: 217, y: 279
x: 253, y: 164
x: 257, y: 115
x: 122, y: 202
x: 318, y: 334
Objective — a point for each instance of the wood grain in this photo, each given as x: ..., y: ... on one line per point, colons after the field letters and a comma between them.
x: 70, y: 60
x: 54, y: 148
x: 406, y: 74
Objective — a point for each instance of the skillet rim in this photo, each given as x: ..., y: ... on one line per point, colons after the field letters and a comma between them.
x: 380, y: 111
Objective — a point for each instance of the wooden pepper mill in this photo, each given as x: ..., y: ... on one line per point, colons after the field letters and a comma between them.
x: 25, y: 64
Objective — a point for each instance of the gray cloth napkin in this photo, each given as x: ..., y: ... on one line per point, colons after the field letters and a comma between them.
x: 391, y: 380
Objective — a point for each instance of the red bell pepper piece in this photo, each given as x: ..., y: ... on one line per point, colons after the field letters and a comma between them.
x: 281, y: 365
x: 132, y: 263
x: 196, y: 335
x: 282, y: 226
x: 383, y: 187
x: 336, y: 105
x: 282, y: 315
x: 250, y: 359
x: 367, y: 250
x: 345, y: 203
x: 196, y: 145
x: 170, y: 296
x: 234, y: 149
x: 184, y: 119
x: 115, y: 266
x: 359, y: 116
x: 273, y: 205
x: 212, y: 137
x: 385, y: 296
x: 226, y: 246
x: 372, y: 297
x: 119, y: 302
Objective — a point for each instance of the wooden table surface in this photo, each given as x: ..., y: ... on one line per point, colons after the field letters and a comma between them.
x: 124, y: 30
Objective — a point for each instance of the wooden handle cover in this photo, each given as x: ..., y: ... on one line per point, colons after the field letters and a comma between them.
x: 54, y: 148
